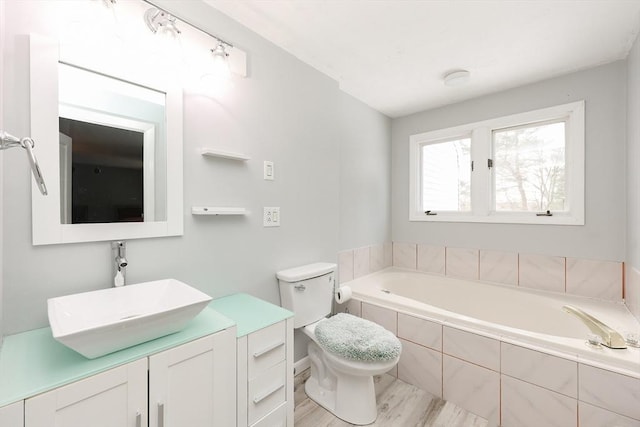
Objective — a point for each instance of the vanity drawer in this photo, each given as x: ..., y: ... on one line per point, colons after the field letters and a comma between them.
x: 266, y: 392
x: 266, y: 348
x: 277, y: 418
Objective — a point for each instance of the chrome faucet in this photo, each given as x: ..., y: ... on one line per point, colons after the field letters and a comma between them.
x: 119, y: 252
x: 610, y: 338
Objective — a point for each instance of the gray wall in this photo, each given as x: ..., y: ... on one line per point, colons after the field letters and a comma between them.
x: 603, y: 89
x: 285, y: 111
x: 365, y: 177
x: 633, y: 154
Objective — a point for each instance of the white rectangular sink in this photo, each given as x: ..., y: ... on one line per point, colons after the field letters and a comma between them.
x: 101, y: 322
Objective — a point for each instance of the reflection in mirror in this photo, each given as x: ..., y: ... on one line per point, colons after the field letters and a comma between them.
x: 101, y: 173
x: 111, y: 143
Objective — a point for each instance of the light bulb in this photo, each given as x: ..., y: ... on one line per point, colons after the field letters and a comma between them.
x: 220, y: 63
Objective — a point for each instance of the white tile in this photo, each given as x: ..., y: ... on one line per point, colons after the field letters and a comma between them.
x: 592, y: 416
x: 431, y: 259
x: 404, y: 255
x: 597, y: 279
x: 473, y: 348
x: 542, y: 272
x: 376, y: 257
x: 527, y: 405
x: 499, y: 267
x: 462, y: 263
x: 360, y: 262
x: 420, y: 331
x: 471, y: 387
x: 554, y: 373
x: 421, y: 367
x: 388, y: 254
x: 345, y: 266
x: 632, y: 291
x: 609, y: 390
x: 352, y: 306
x: 384, y: 317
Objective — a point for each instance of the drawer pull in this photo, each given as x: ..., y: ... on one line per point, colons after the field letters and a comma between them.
x: 267, y: 349
x: 260, y: 398
x: 160, y: 414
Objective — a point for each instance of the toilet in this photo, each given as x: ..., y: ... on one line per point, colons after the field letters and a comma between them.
x: 345, y: 351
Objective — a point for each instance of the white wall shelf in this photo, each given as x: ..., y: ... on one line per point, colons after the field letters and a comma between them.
x: 214, y: 152
x: 216, y: 210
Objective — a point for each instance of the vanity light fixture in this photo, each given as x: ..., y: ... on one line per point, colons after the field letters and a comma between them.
x: 456, y: 78
x: 220, y: 58
x: 161, y: 22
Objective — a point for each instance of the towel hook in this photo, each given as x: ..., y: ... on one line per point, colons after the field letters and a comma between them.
x: 9, y: 141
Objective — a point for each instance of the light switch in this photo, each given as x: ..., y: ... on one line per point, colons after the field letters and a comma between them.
x: 269, y: 170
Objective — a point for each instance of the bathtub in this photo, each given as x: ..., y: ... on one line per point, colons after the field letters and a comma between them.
x: 524, y: 316
x: 508, y: 354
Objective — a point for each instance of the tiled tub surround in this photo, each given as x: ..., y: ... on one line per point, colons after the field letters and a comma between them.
x: 590, y: 278
x: 510, y: 376
x: 632, y: 290
x: 354, y: 263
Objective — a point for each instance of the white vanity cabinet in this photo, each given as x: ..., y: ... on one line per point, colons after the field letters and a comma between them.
x: 117, y: 397
x: 12, y: 415
x: 265, y: 360
x: 263, y: 385
x: 192, y: 384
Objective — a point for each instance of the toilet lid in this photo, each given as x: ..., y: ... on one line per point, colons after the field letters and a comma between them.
x: 357, y: 339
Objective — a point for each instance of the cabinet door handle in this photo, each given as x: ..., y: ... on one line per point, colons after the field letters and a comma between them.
x: 268, y: 349
x: 260, y: 398
x: 138, y: 419
x: 160, y: 414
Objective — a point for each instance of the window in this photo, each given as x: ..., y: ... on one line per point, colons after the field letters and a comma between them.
x: 446, y: 175
x: 524, y: 168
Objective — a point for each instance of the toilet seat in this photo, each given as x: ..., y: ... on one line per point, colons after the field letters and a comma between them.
x: 355, y: 367
x: 347, y: 365
x: 357, y: 339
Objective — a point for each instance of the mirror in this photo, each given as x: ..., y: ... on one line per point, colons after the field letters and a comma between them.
x: 112, y: 140
x: 111, y: 131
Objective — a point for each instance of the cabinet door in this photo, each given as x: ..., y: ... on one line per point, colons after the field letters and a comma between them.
x: 194, y: 384
x: 117, y: 397
x: 12, y: 415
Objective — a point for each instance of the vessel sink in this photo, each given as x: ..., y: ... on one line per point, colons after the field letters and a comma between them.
x: 101, y: 322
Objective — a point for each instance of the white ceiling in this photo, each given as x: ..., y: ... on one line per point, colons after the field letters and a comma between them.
x: 392, y: 54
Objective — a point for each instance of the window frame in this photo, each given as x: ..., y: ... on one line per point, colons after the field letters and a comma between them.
x: 482, y: 177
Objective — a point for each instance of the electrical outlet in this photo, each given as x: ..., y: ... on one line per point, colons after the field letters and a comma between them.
x: 271, y: 217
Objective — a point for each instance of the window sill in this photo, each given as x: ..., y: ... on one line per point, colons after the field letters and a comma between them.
x: 557, y: 219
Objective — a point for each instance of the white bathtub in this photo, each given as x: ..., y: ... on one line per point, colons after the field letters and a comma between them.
x: 520, y: 316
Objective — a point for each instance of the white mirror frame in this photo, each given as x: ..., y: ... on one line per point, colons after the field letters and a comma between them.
x: 46, y: 225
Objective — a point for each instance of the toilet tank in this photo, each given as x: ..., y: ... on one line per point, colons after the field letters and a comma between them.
x: 307, y: 291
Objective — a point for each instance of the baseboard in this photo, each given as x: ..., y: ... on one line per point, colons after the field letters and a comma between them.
x: 301, y: 365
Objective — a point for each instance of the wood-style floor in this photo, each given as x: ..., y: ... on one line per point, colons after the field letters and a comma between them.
x: 399, y: 405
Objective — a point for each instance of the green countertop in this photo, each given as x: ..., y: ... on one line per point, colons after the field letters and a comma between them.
x: 249, y: 313
x: 33, y: 362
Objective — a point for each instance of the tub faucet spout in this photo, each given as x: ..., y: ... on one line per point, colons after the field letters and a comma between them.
x: 610, y: 338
